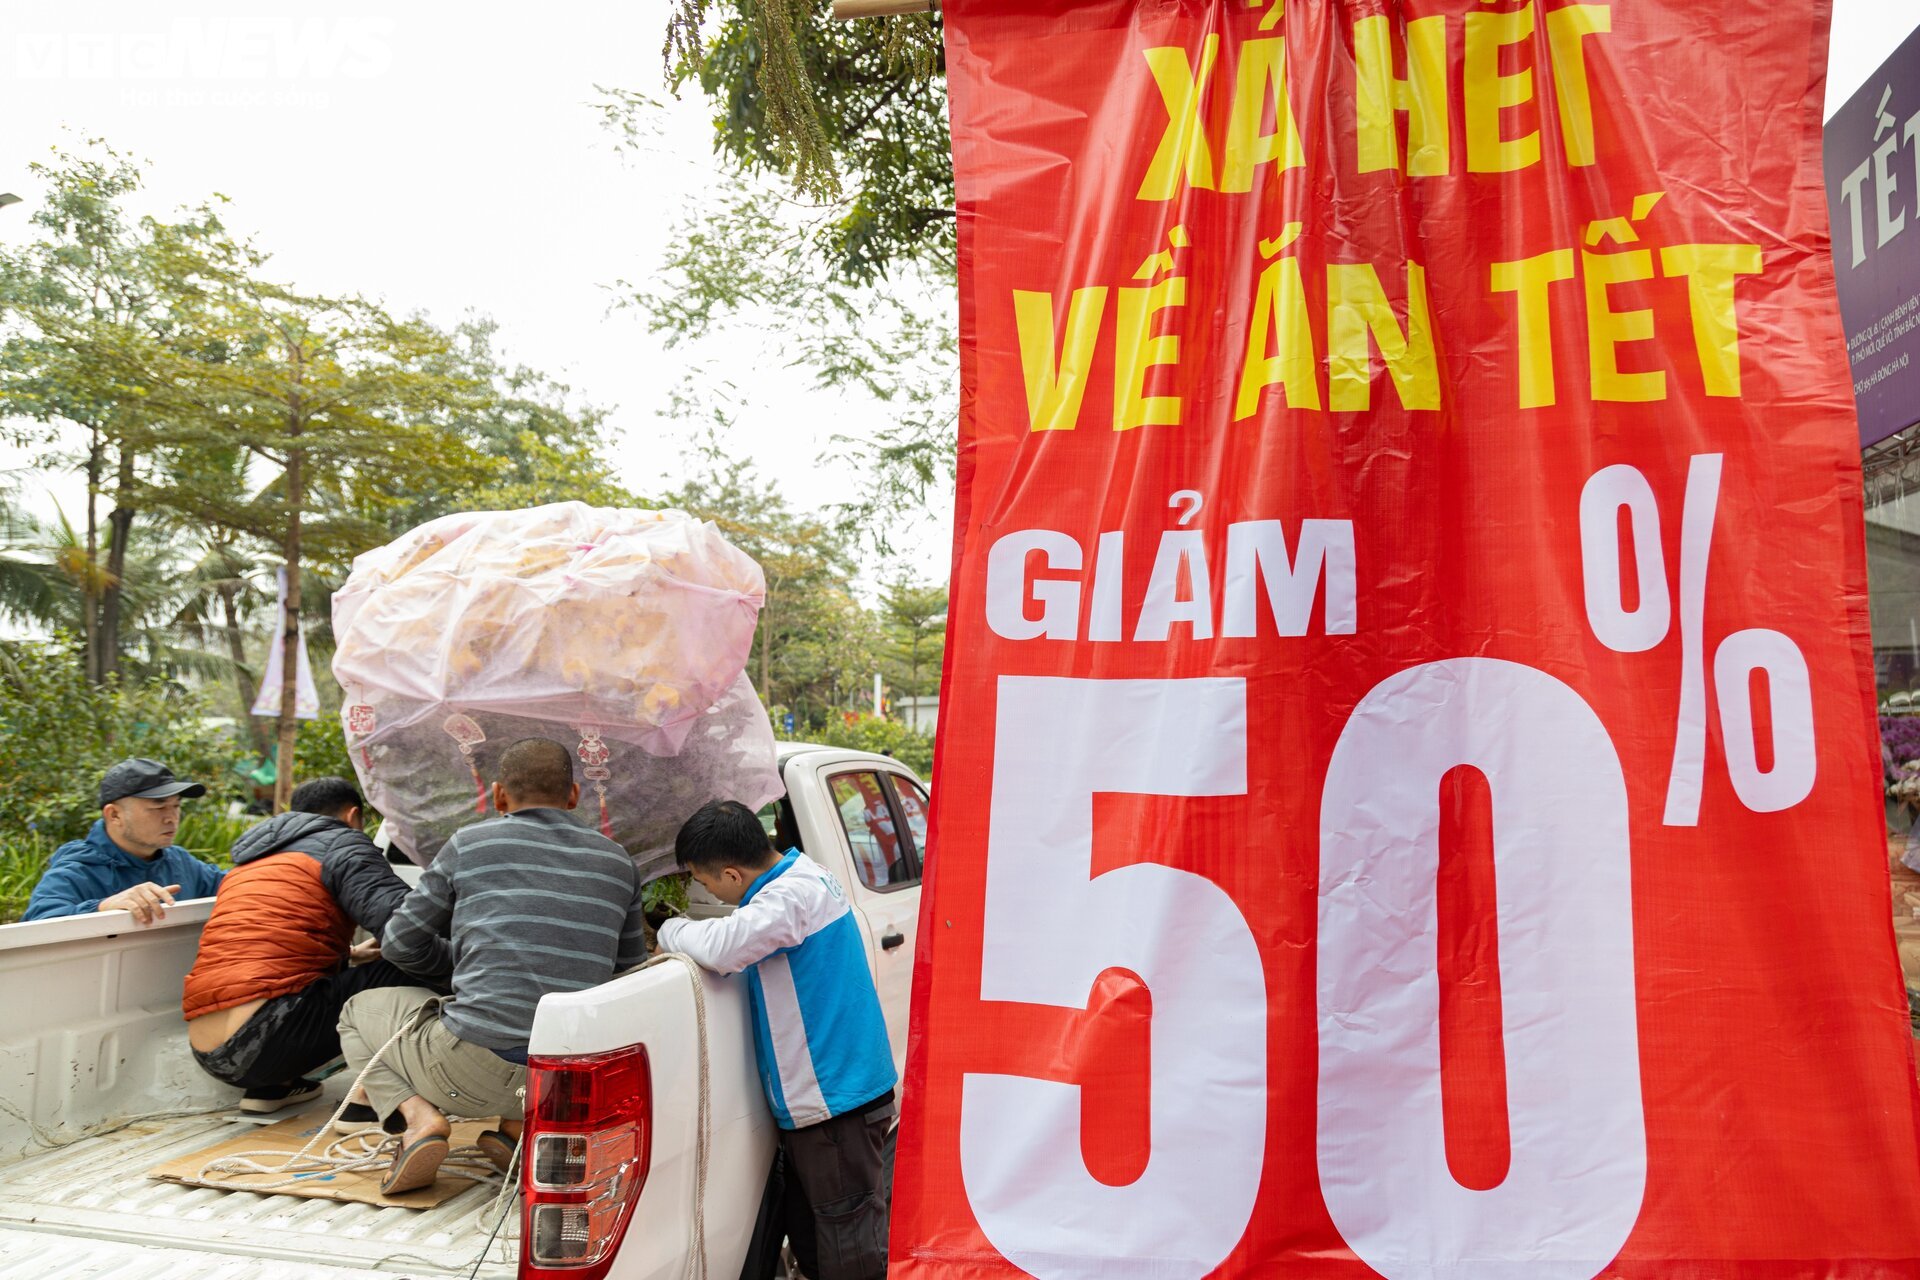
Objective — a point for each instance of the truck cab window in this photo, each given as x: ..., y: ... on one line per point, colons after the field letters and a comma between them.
x: 913, y: 808
x: 776, y: 818
x: 873, y: 833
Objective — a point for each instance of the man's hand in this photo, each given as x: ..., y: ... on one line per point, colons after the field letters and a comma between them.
x: 362, y: 952
x: 146, y: 902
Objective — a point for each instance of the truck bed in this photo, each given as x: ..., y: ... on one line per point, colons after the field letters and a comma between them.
x: 97, y: 1086
x: 97, y: 1190
x: 94, y: 1048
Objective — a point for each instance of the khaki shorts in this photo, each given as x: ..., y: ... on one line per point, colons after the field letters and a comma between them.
x: 427, y: 1061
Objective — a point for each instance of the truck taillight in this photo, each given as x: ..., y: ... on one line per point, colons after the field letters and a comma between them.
x: 587, y: 1145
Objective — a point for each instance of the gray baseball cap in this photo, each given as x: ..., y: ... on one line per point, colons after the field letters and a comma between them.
x: 144, y: 779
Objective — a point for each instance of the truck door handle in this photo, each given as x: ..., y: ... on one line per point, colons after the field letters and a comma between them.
x: 890, y: 940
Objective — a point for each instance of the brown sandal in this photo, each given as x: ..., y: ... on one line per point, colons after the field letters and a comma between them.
x: 496, y: 1147
x: 415, y: 1166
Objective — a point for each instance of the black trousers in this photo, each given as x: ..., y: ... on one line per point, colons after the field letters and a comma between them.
x: 836, y: 1197
x: 293, y: 1034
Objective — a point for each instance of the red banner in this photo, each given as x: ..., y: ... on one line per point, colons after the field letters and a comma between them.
x: 1408, y: 799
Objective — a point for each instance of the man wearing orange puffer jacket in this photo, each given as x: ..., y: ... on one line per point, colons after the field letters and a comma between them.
x: 263, y: 998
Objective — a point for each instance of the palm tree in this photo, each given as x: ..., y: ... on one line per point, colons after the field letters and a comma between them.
x: 29, y: 585
x: 186, y: 594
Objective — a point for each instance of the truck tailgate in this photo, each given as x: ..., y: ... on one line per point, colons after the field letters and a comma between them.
x: 85, y: 1209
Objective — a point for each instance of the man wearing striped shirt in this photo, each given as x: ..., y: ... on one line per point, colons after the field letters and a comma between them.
x: 513, y: 907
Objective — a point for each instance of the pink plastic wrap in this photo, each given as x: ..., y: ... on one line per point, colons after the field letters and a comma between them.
x: 621, y: 633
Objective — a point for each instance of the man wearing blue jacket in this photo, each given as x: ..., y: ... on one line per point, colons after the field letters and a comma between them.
x: 128, y: 862
x: 818, y: 1031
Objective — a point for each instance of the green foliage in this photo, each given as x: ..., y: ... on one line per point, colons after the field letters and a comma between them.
x: 853, y: 113
x: 89, y: 291
x: 883, y: 737
x: 31, y: 587
x: 538, y: 445
x: 169, y: 343
x: 209, y: 834
x: 914, y: 619
x: 235, y: 421
x: 168, y: 583
x: 666, y: 896
x: 23, y: 856
x: 745, y: 265
x: 342, y: 404
x: 815, y: 646
x: 855, y: 270
x: 91, y: 277
x: 333, y: 395
x: 59, y: 732
x: 322, y: 753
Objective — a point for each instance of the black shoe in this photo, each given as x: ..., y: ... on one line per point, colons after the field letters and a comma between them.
x: 357, y: 1116
x: 275, y: 1097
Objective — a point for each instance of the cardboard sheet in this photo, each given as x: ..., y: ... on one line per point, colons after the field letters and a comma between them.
x: 289, y: 1136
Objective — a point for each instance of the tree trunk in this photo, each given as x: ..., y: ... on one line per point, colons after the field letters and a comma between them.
x: 242, y: 678
x: 120, y: 525
x: 89, y: 601
x: 289, y: 635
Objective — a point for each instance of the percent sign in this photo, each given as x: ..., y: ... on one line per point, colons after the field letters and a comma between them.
x: 1789, y: 691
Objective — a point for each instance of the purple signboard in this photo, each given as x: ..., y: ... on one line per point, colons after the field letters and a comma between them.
x: 1873, y: 198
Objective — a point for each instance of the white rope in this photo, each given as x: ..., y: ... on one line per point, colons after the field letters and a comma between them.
x: 509, y: 1188
x: 503, y: 1204
x: 354, y: 1153
x: 367, y: 1151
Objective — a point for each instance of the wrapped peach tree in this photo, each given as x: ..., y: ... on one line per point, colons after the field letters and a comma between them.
x: 622, y: 633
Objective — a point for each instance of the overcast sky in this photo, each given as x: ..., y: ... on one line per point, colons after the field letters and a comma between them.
x: 446, y: 157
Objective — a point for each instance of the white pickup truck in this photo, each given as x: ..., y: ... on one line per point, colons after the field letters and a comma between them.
x: 97, y: 1087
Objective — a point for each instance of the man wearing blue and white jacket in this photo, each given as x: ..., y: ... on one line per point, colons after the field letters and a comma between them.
x: 817, y: 1026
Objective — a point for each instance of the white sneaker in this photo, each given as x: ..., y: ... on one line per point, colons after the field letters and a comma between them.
x: 356, y: 1118
x: 277, y: 1097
